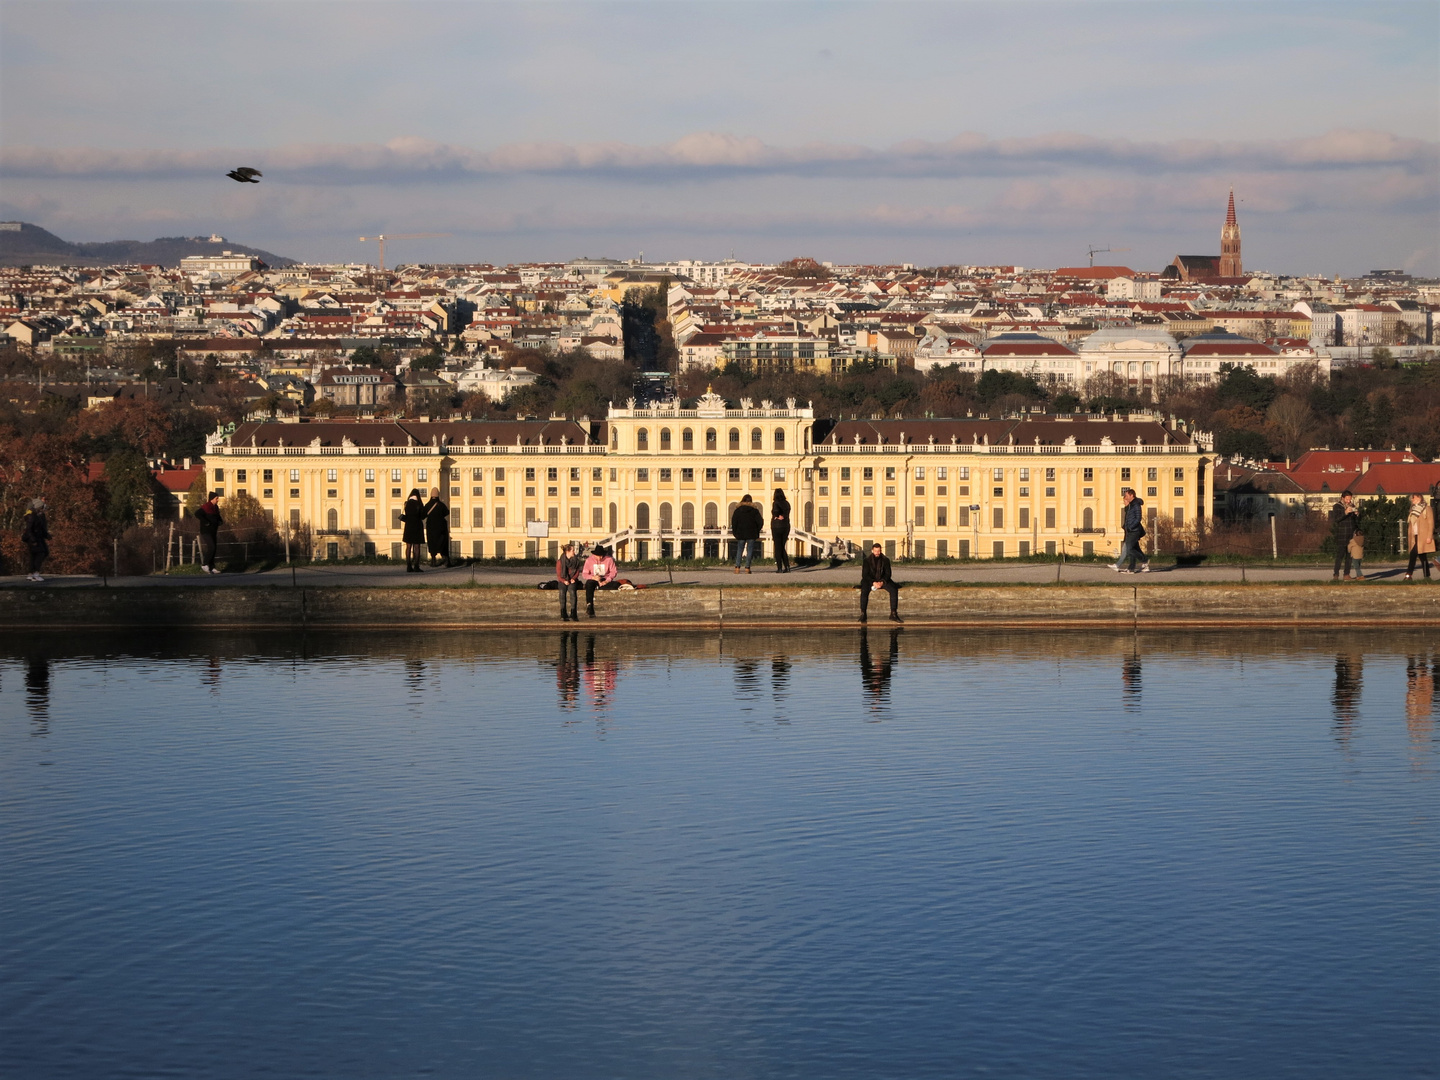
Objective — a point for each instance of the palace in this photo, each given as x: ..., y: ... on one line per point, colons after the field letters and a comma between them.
x: 662, y: 481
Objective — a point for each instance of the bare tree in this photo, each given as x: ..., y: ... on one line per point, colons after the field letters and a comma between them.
x: 1293, y: 423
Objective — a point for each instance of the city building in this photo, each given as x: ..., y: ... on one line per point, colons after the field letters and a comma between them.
x: 662, y: 481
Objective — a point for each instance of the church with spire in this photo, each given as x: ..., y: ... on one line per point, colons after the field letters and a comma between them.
x: 1225, y: 266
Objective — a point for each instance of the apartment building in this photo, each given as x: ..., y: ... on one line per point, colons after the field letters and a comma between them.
x: 662, y: 481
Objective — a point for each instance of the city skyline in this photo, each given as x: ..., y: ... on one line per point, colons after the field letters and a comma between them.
x: 929, y: 134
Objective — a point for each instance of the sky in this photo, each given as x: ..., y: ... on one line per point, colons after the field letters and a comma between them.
x: 929, y: 133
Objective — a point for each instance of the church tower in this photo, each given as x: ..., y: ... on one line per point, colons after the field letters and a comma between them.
x: 1230, y: 243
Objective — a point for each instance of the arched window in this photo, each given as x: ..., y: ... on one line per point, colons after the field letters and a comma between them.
x: 332, y: 520
x: 779, y: 438
x: 687, y: 517
x: 642, y: 517
x: 614, y: 438
x: 809, y: 517
x: 667, y: 518
x: 614, y: 519
x: 642, y: 439
x: 664, y: 438
x: 757, y: 439
x: 712, y: 516
x: 730, y: 513
x: 734, y: 438
x: 687, y: 439
x: 1087, y: 519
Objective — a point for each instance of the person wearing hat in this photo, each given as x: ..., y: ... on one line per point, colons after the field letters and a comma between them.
x: 35, y: 535
x: 599, y: 570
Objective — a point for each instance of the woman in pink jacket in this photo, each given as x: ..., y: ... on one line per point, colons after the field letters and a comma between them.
x: 599, y: 571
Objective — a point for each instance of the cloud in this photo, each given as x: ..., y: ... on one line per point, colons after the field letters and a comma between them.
x: 706, y: 155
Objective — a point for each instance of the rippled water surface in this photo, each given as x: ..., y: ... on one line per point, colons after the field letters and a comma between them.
x: 561, y: 856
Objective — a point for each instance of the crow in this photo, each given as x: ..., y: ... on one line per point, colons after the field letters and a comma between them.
x: 245, y: 175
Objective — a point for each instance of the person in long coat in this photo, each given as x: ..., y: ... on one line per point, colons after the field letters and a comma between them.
x: 413, y: 518
x: 1420, y: 535
x: 437, y: 527
x: 35, y: 535
x: 780, y: 530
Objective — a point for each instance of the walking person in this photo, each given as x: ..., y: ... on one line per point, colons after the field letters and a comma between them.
x: 745, y: 526
x: 1420, y: 535
x: 209, y: 519
x: 568, y: 571
x: 1132, y: 524
x: 437, y: 527
x: 875, y: 577
x: 599, y: 570
x: 1357, y: 552
x: 1344, y: 520
x: 780, y: 530
x: 35, y: 535
x: 413, y: 518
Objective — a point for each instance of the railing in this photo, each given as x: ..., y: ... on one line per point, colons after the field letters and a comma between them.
x: 1089, y: 532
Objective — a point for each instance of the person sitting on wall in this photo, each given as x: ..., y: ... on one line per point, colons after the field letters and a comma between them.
x: 875, y: 577
x: 599, y: 572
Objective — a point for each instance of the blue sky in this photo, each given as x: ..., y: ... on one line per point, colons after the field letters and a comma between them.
x: 919, y: 132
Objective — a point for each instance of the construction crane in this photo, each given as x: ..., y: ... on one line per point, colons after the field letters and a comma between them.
x: 1092, y: 252
x: 382, y: 237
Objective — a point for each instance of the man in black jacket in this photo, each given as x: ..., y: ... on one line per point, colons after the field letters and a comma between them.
x: 1344, y: 519
x: 875, y: 577
x: 209, y: 519
x: 745, y: 526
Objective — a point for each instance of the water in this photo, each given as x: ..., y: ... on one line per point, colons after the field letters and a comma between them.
x: 762, y: 856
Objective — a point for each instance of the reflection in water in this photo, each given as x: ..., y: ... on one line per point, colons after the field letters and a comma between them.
x: 600, y: 676
x: 780, y: 681
x: 567, y: 669
x: 875, y: 678
x: 1130, y: 682
x: 210, y: 674
x: 1420, y: 682
x: 1348, y: 670
x: 37, y: 692
x: 415, y: 675
x: 747, y: 681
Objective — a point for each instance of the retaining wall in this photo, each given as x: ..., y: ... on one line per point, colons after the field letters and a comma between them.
x: 1036, y: 606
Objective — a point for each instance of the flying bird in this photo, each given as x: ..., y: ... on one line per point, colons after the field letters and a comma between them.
x: 245, y: 175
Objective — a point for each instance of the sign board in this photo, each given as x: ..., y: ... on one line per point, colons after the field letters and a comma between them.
x: 537, y: 528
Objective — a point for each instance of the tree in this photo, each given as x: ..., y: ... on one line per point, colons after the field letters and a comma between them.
x: 138, y: 424
x: 323, y: 407
x: 1292, y: 423
x: 998, y: 384
x: 1239, y: 385
x: 53, y: 468
x: 129, y: 490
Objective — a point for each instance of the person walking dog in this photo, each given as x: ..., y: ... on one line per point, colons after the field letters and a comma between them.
x: 745, y: 526
x: 1344, y: 520
x: 568, y: 569
x: 780, y: 530
x: 35, y: 535
x: 875, y: 577
x: 209, y: 519
x: 1420, y: 535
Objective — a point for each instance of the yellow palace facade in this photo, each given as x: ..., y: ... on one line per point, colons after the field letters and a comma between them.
x: 662, y: 481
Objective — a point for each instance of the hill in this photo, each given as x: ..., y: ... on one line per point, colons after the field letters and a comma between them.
x: 23, y: 244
